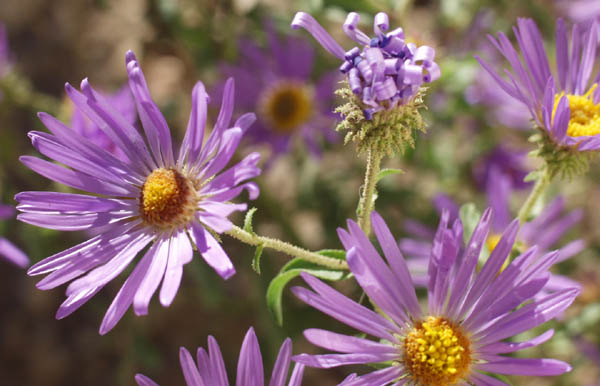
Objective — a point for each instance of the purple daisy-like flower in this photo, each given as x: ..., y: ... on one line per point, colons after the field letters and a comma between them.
x: 7, y: 249
x: 566, y: 105
x: 387, y: 71
x: 461, y: 336
x: 276, y: 83
x: 122, y: 102
x: 509, y: 162
x: 157, y: 199
x: 209, y: 368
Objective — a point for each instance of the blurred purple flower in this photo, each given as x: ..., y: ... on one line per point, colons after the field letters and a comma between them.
x: 510, y: 163
x: 209, y: 368
x: 581, y: 10
x: 566, y: 106
x: 154, y: 198
x: 461, y: 336
x: 387, y: 71
x: 122, y: 102
x: 7, y: 249
x: 276, y: 83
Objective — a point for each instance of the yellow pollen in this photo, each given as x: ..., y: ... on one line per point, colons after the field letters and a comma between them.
x: 166, y: 199
x: 436, y: 353
x: 286, y: 105
x: 492, y: 241
x: 585, y: 114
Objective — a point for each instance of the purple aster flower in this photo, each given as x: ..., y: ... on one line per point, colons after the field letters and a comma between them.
x: 544, y: 232
x: 566, y: 105
x: 462, y: 334
x: 168, y: 202
x: 122, y: 102
x: 385, y: 71
x: 581, y: 10
x: 276, y: 83
x: 7, y: 249
x: 209, y: 368
x: 509, y: 162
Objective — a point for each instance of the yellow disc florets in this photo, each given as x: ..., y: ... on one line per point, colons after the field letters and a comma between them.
x: 585, y: 114
x: 287, y: 105
x: 167, y: 199
x: 436, y: 352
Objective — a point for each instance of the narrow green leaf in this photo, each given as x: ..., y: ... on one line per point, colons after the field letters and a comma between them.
x: 256, y: 259
x: 386, y: 172
x: 292, y: 270
x: 532, y: 176
x: 469, y: 216
x: 248, y: 220
x: 335, y: 253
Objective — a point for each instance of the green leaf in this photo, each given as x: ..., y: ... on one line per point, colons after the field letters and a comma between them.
x: 248, y: 220
x: 386, y: 172
x: 335, y: 253
x: 469, y: 216
x: 292, y: 270
x: 256, y: 259
x: 532, y: 176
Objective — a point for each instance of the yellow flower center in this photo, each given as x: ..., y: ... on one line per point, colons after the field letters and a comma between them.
x: 492, y: 241
x: 287, y: 105
x: 167, y: 199
x: 585, y: 114
x: 436, y: 352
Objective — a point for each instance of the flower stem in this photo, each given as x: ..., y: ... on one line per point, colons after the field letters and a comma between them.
x: 538, y: 189
x: 287, y: 248
x: 367, y: 197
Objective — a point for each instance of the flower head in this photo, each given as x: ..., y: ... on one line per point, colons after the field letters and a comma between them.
x: 209, y: 368
x: 169, y: 202
x: 122, y: 102
x: 564, y: 105
x: 7, y: 249
x: 469, y: 315
x: 276, y: 83
x: 503, y: 162
x: 384, y: 77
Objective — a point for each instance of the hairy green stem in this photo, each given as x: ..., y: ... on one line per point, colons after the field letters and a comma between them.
x: 538, y: 189
x: 367, y: 197
x: 287, y: 248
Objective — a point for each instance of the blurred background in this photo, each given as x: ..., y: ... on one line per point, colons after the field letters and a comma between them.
x: 310, y: 182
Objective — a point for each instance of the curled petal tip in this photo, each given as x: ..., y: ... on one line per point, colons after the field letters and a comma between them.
x: 130, y: 56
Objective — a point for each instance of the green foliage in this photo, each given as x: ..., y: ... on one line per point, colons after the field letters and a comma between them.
x: 469, y: 216
x: 292, y: 270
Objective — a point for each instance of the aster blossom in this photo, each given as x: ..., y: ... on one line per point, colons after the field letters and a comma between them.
x: 7, y: 249
x: 209, y: 368
x: 469, y: 315
x: 387, y: 71
x: 565, y: 105
x: 277, y: 83
x: 121, y: 101
x: 170, y: 203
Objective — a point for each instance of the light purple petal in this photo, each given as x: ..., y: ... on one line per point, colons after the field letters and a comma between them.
x: 13, y: 254
x: 306, y: 21
x: 250, y: 367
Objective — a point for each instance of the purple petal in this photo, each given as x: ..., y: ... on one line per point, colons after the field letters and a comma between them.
x: 306, y: 21
x: 213, y: 254
x: 250, y: 366
x: 282, y: 364
x: 143, y: 380
x: 526, y: 366
x: 13, y: 254
x: 180, y: 253
x: 153, y: 277
x: 190, y: 372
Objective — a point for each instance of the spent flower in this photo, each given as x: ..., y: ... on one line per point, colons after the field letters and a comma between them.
x: 209, y: 368
x: 461, y: 337
x: 171, y: 203
x: 384, y: 75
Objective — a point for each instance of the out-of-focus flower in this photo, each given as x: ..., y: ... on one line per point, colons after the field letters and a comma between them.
x: 276, y: 83
x: 461, y: 336
x: 7, y: 249
x: 565, y: 106
x: 508, y: 162
x: 384, y: 74
x: 581, y: 10
x: 123, y: 103
x: 209, y: 368
x: 154, y: 198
